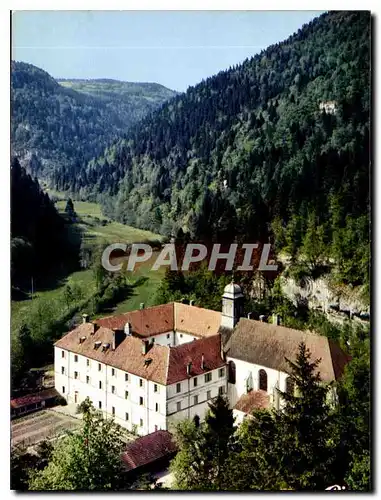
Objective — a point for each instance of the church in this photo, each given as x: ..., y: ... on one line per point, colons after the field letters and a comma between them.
x: 154, y: 366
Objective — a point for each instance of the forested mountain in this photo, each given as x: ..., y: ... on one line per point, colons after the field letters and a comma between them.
x: 280, y: 141
x: 56, y: 126
x: 40, y: 241
x: 130, y: 101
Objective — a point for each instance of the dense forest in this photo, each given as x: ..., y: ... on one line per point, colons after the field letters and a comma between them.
x: 63, y: 125
x: 275, y: 147
x: 40, y: 240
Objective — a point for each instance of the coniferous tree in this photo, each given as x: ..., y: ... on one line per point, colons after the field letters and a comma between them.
x: 205, y: 450
x: 293, y: 448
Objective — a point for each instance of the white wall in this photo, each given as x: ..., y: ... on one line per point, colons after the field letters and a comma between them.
x: 189, y: 408
x: 275, y: 378
x: 183, y: 338
x: 166, y: 339
x: 136, y: 412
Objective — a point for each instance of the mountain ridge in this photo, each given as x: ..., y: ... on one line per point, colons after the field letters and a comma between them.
x: 55, y: 126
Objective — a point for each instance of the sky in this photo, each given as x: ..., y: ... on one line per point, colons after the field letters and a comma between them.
x: 174, y: 48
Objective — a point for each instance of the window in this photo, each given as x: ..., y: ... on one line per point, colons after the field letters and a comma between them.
x: 126, y: 416
x: 62, y: 370
x: 178, y: 387
x: 208, y: 377
x: 125, y: 394
x: 221, y: 390
x: 181, y: 335
x: 208, y: 394
x: 87, y: 362
x: 87, y: 379
x: 290, y: 386
x: 113, y: 389
x: 221, y: 372
x: 141, y: 401
x: 263, y: 380
x: 75, y: 374
x: 100, y: 405
x: 168, y: 335
x: 99, y: 367
x: 63, y: 389
x: 195, y: 382
x: 155, y: 388
x: 178, y: 406
x: 232, y: 370
x: 195, y: 400
x: 113, y: 372
x: 157, y: 407
x: 75, y: 358
x: 63, y: 354
x: 141, y: 422
x: 126, y: 377
x: 113, y: 411
x: 100, y: 385
x: 141, y: 382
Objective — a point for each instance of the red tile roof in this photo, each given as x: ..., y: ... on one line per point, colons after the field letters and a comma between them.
x: 191, y: 352
x: 165, y: 318
x: 127, y: 356
x: 196, y: 320
x: 253, y: 400
x: 30, y: 399
x: 148, y: 449
x: 144, y: 322
x: 161, y: 364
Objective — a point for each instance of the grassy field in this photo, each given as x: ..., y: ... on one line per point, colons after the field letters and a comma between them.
x: 100, y: 229
x: 97, y: 229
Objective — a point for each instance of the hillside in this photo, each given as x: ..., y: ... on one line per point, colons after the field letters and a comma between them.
x: 33, y: 217
x: 277, y: 146
x: 60, y: 125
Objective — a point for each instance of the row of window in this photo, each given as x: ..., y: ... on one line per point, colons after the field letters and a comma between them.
x: 221, y: 391
x: 207, y: 378
x: 126, y: 415
x: 141, y: 381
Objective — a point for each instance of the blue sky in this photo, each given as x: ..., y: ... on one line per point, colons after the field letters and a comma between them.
x: 176, y: 49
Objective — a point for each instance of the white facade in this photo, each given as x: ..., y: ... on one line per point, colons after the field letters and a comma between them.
x: 136, y: 403
x: 248, y: 378
x: 190, y: 397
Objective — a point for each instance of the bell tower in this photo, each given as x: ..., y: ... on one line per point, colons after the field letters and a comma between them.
x: 232, y: 305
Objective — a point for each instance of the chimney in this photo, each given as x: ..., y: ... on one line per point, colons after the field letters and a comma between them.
x: 262, y: 318
x: 127, y: 328
x: 145, y: 347
x: 85, y: 318
x: 117, y: 338
x: 249, y: 315
x: 141, y: 305
x: 276, y: 319
x: 189, y: 368
x: 202, y: 362
x: 191, y: 302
